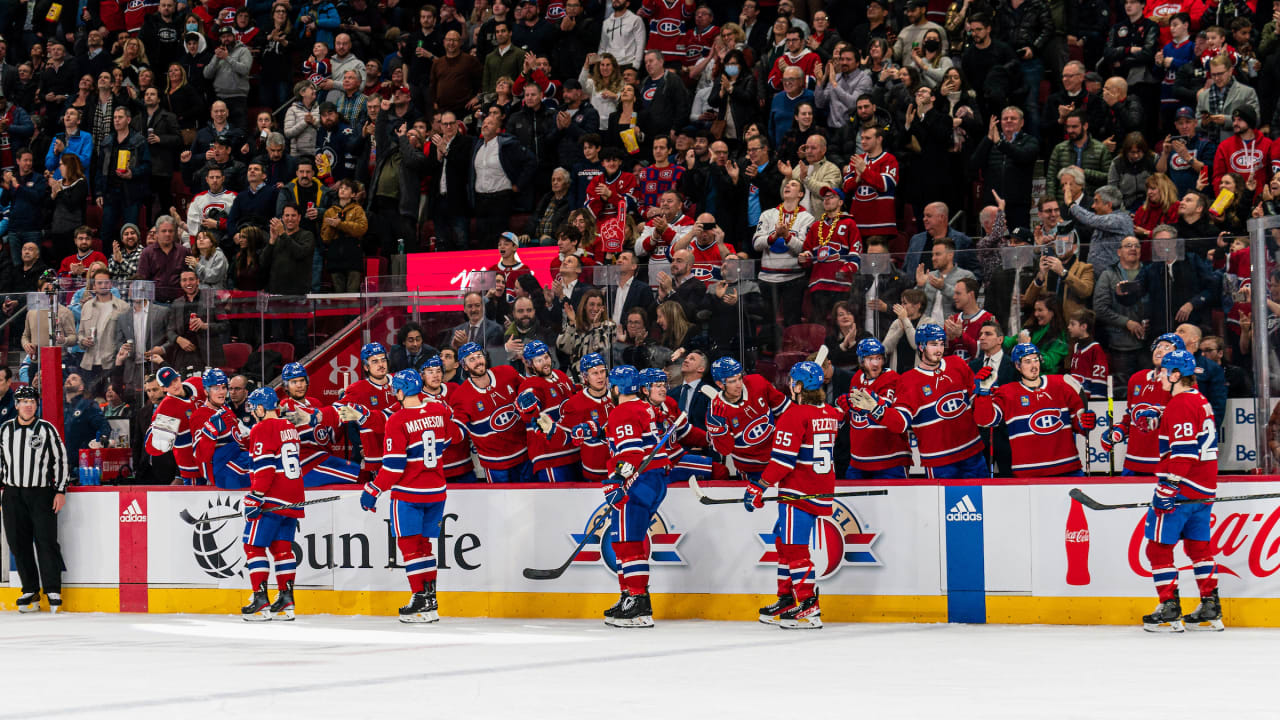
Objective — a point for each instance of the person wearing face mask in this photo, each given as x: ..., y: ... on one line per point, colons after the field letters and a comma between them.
x: 736, y: 97
x: 1063, y: 274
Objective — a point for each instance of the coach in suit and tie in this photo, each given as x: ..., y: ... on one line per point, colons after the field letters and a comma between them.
x: 991, y: 353
x: 688, y: 394
x: 631, y: 292
x: 478, y: 328
x: 142, y: 334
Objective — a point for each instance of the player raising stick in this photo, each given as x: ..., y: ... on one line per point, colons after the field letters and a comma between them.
x: 874, y: 451
x: 277, y: 480
x: 1138, y: 426
x: 541, y: 395
x: 586, y: 414
x: 740, y: 417
x: 934, y: 401
x: 1188, y: 470
x: 416, y: 438
x: 632, y: 433
x: 1040, y: 411
x: 801, y: 465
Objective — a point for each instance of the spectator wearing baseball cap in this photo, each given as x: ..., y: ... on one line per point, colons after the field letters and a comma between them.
x: 1186, y: 152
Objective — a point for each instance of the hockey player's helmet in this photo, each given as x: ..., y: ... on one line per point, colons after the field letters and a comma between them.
x: 652, y: 376
x: 468, y: 350
x: 928, y: 332
x: 868, y: 347
x: 408, y: 382
x: 212, y: 378
x: 371, y: 351
x: 625, y: 378
x: 264, y: 398
x: 1022, y: 350
x: 1180, y: 361
x: 724, y: 368
x: 1173, y: 339
x: 808, y: 374
x: 293, y: 371
x: 432, y: 362
x: 589, y: 361
x: 534, y: 349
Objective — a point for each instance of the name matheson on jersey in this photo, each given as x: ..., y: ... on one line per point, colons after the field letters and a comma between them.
x: 1240, y: 539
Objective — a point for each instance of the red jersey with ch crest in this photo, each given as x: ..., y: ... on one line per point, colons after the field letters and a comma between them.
x: 653, y: 181
x: 277, y: 474
x: 623, y: 188
x: 936, y: 405
x: 744, y: 430
x: 318, y: 438
x: 873, y: 194
x: 489, y: 415
x: 594, y: 451
x: 174, y: 412
x: 1041, y: 422
x: 376, y: 403
x: 668, y: 27
x: 657, y: 243
x: 1090, y: 367
x: 457, y: 457
x: 1142, y: 449
x: 1242, y: 156
x: 538, y: 394
x: 208, y: 434
x: 831, y: 240
x: 965, y: 345
x: 802, y: 460
x: 511, y: 275
x: 871, y: 446
x: 632, y: 432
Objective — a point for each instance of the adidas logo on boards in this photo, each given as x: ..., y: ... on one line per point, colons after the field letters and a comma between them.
x: 964, y: 511
x: 133, y: 513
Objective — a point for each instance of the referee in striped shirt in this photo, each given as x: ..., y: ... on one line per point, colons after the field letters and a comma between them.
x: 33, y: 485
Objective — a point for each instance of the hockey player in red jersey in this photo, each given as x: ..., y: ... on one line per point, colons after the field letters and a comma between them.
x: 1188, y: 470
x: 1139, y: 429
x: 584, y: 416
x: 485, y: 405
x: 934, y: 401
x: 457, y: 457
x: 832, y: 246
x: 668, y: 28
x: 539, y: 398
x: 417, y: 436
x: 367, y: 403
x: 801, y: 466
x: 872, y: 180
x: 634, y: 495
x: 653, y: 388
x: 170, y: 428
x: 217, y: 444
x: 1042, y: 413
x: 740, y: 418
x: 319, y: 466
x: 874, y: 451
x: 274, y: 446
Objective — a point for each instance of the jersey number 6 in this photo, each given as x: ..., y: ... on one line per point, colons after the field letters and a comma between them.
x: 289, y: 459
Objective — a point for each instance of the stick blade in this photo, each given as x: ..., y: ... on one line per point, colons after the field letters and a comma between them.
x: 821, y: 356
x: 709, y: 391
x: 536, y: 574
x: 1078, y: 495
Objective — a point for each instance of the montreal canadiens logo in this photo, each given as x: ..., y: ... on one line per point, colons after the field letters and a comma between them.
x: 1046, y: 422
x: 865, y: 192
x: 216, y: 545
x: 668, y: 27
x: 650, y: 93
x: 1177, y: 163
x: 555, y: 12
x: 951, y: 405
x: 757, y: 430
x: 505, y: 417
x: 841, y: 539
x: 599, y: 550
x: 1245, y: 160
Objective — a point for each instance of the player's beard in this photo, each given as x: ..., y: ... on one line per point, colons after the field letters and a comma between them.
x: 479, y: 372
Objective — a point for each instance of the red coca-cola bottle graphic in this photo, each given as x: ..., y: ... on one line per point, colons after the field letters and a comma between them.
x: 1077, y: 546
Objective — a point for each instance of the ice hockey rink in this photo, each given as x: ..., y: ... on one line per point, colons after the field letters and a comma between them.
x: 204, y: 666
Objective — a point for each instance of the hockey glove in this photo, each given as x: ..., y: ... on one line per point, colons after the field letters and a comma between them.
x: 585, y: 431
x: 1112, y: 437
x: 350, y: 413
x: 216, y: 422
x: 1147, y: 419
x: 981, y: 377
x: 614, y: 493
x: 753, y: 496
x: 1166, y: 491
x: 1088, y: 420
x: 867, y: 402
x: 369, y: 498
x: 299, y: 418
x: 252, y: 506
x: 526, y: 402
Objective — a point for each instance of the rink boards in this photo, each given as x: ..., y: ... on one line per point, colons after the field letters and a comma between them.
x: 926, y: 552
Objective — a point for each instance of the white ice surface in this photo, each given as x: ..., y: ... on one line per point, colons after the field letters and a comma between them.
x: 201, y: 666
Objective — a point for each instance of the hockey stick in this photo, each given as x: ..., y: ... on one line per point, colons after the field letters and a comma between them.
x: 193, y: 520
x: 779, y: 498
x: 599, y: 524
x: 1111, y: 420
x: 1078, y: 495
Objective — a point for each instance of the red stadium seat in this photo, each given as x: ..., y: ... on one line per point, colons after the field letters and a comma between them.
x: 784, y: 361
x: 234, y: 356
x: 805, y: 337
x: 285, y: 349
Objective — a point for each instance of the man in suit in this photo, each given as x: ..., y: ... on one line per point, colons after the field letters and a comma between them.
x: 142, y: 335
x: 630, y: 292
x: 682, y: 287
x: 688, y: 394
x: 991, y: 353
x: 477, y: 328
x: 566, y: 288
x: 411, y: 349
x: 449, y: 164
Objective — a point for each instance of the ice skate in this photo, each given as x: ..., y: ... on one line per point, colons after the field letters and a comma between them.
x: 1167, y: 617
x: 422, y: 607
x: 612, y: 612
x: 1206, y: 617
x: 804, y: 615
x: 636, y: 612
x: 282, y: 608
x: 772, y: 614
x: 55, y: 602
x: 29, y: 603
x: 259, y: 607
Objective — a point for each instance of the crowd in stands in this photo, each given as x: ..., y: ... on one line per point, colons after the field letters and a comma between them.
x: 736, y: 163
